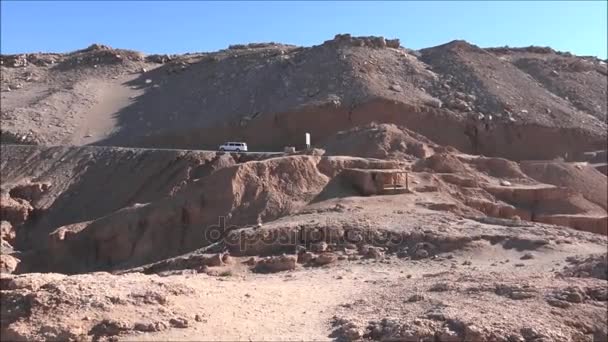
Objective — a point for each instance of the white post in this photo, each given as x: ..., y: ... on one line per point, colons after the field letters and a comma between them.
x: 307, y: 140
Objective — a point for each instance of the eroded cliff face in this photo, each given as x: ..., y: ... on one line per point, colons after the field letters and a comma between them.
x: 171, y: 202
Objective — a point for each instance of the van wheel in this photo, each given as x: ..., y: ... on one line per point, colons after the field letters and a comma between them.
x: 222, y: 149
x: 238, y: 150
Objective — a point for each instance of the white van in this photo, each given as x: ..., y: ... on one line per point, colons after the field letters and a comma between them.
x: 234, y: 146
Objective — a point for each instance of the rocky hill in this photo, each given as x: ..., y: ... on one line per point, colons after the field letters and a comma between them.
x: 539, y: 103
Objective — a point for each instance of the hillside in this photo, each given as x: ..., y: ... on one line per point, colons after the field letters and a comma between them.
x: 542, y: 105
x: 131, y: 236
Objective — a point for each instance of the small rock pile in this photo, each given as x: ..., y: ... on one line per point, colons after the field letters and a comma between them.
x: 591, y: 267
x: 371, y: 41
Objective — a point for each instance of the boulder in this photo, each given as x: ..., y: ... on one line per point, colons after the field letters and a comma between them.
x: 179, y: 322
x: 15, y: 211
x: 395, y: 87
x: 305, y: 257
x: 109, y: 327
x: 7, y: 232
x: 318, y: 247
x: 393, y: 43
x: 325, y: 258
x: 8, y: 263
x: 276, y: 264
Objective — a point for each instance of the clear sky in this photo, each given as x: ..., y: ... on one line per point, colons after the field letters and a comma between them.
x: 190, y: 26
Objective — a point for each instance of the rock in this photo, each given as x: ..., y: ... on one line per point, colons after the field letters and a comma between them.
x: 532, y: 334
x: 109, y: 327
x: 158, y: 58
x: 440, y: 287
x: 458, y: 104
x: 198, y: 318
x: 227, y: 259
x: 505, y: 183
x: 319, y: 247
x: 349, y: 331
x: 7, y: 232
x: 5, y: 247
x: 448, y: 335
x: 8, y: 263
x: 594, y: 266
x: 150, y: 327
x: 421, y: 254
x: 393, y: 43
x: 14, y: 211
x: 305, y: 257
x: 514, y: 292
x: 403, y: 254
x: 276, y: 264
x: 433, y: 102
x: 374, y: 253
x: 473, y: 333
x: 251, y: 261
x: 148, y: 81
x: 519, y: 295
x: 325, y: 258
x: 527, y: 256
x: 315, y: 152
x: 289, y: 149
x: 214, y: 261
x: 318, y: 152
x: 352, y: 334
x: 179, y: 322
x: 572, y: 294
x: 599, y: 293
x: 558, y: 303
x: 415, y: 298
x: 53, y: 332
x: 395, y: 87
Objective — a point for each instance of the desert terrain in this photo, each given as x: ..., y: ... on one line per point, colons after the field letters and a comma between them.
x: 453, y: 193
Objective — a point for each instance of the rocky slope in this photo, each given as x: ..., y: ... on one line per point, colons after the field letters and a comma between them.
x: 203, y: 256
x: 270, y: 94
x: 165, y: 203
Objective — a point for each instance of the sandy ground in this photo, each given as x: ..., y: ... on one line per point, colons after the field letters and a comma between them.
x: 100, y: 121
x: 303, y: 304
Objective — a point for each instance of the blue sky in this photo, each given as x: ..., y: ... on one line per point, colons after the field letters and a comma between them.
x: 190, y: 26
